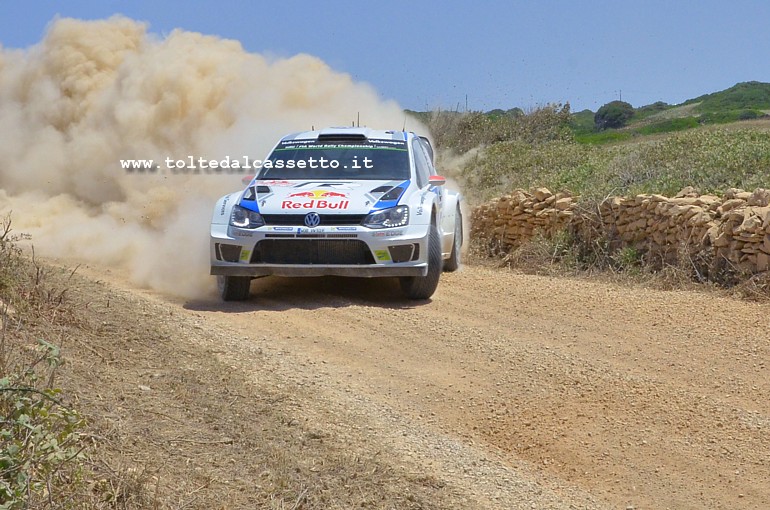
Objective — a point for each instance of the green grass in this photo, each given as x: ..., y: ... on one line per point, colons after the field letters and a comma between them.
x: 711, y: 159
x: 668, y: 126
x: 602, y: 137
x: 616, y: 136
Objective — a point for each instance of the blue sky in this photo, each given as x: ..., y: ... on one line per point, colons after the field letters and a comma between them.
x: 428, y: 54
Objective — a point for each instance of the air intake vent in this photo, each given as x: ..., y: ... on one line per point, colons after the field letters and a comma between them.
x: 298, y: 220
x: 402, y: 253
x: 393, y: 194
x: 341, y: 137
x: 312, y: 251
x: 228, y: 252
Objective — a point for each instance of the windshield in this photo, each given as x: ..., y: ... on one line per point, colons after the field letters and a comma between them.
x: 310, y: 159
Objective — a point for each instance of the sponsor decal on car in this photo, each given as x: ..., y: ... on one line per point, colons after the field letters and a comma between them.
x: 245, y: 255
x: 316, y: 199
x: 388, y: 233
x: 382, y: 255
x: 420, y: 207
x: 314, y: 204
x: 319, y: 193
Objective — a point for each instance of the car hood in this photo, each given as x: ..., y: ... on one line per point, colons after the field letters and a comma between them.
x: 337, y: 197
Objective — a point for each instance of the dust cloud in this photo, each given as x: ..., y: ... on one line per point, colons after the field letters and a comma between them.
x: 95, y: 92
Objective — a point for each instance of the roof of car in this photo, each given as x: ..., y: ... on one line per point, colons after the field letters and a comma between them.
x: 352, y: 132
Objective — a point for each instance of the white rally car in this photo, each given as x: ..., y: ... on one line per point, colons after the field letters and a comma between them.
x: 340, y: 201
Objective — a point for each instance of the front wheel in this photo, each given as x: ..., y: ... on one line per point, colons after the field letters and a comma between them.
x: 423, y: 287
x: 453, y: 262
x: 234, y: 288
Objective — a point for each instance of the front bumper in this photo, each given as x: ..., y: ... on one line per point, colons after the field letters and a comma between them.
x: 354, y: 251
x: 293, y: 270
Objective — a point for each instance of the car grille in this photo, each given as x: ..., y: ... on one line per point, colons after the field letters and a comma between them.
x: 326, y: 219
x: 312, y: 251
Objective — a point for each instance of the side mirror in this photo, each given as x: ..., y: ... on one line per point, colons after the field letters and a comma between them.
x: 436, y: 180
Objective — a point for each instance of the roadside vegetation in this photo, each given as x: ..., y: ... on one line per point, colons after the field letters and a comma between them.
x: 712, y: 159
x: 712, y: 143
x: 657, y: 148
x: 42, y: 440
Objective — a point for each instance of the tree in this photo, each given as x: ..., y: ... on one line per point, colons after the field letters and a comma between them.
x: 613, y: 115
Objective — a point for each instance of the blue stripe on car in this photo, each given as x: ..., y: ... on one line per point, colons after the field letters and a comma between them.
x: 251, y: 205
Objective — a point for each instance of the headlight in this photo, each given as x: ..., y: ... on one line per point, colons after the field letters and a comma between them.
x: 388, y: 218
x: 244, y: 218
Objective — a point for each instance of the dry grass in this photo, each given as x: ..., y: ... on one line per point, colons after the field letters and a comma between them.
x: 43, y: 445
x: 169, y: 426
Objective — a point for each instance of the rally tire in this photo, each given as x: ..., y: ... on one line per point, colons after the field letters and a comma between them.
x: 453, y: 262
x: 423, y: 287
x: 234, y: 288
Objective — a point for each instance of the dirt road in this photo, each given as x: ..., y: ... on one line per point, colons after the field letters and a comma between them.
x: 513, y: 391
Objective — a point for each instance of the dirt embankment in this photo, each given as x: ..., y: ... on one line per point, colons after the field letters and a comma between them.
x: 504, y: 391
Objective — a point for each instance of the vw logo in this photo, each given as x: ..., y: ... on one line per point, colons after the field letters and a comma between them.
x: 312, y: 220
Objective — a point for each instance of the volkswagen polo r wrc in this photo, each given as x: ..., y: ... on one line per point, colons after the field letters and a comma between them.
x: 340, y: 201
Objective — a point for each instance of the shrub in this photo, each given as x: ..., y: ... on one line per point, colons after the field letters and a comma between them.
x: 749, y: 115
x: 40, y: 442
x: 464, y: 131
x: 613, y: 115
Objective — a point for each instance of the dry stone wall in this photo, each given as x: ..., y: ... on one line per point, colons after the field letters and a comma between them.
x: 732, y: 230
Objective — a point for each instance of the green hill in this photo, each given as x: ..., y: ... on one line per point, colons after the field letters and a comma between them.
x: 463, y: 130
x: 743, y: 101
x: 750, y: 95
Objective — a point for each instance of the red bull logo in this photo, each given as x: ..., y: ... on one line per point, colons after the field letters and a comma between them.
x: 318, y: 193
x: 315, y: 204
x: 319, y: 199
